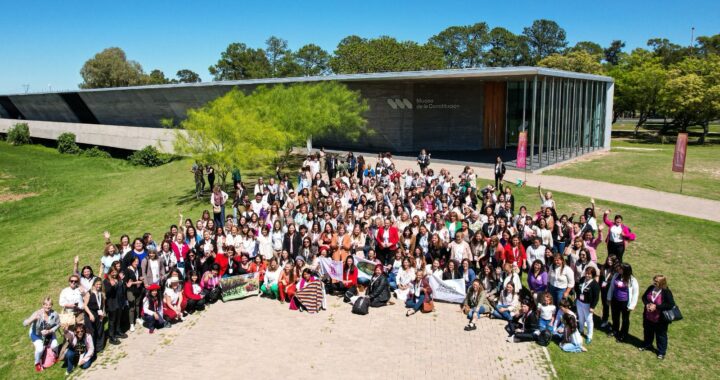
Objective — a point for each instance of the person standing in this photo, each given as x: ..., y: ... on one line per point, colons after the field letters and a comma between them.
x: 623, y: 297
x: 499, y: 172
x: 423, y: 160
x: 199, y: 174
x: 210, y: 176
x: 331, y: 164
x: 218, y: 198
x: 657, y: 299
x: 236, y: 177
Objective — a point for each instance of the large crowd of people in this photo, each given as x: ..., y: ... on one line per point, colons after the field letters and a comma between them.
x: 546, y: 274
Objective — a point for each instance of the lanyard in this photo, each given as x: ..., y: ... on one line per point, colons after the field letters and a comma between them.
x: 584, y: 286
x: 654, y: 296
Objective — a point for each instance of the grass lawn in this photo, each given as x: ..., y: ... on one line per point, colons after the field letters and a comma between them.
x: 652, y: 168
x: 77, y: 198
x: 630, y: 126
x: 685, y: 250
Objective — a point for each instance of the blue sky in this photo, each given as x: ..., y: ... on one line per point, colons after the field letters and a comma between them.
x: 46, y: 42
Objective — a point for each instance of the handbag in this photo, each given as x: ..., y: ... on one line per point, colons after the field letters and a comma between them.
x: 49, y: 357
x: 428, y: 307
x: 672, y: 314
x: 217, y: 209
x: 67, y: 319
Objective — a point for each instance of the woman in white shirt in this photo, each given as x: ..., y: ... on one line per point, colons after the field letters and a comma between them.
x: 404, y: 278
x: 543, y: 233
x: 270, y: 280
x: 265, y: 244
x: 277, y: 236
x: 561, y: 279
x: 173, y: 307
x: 110, y: 255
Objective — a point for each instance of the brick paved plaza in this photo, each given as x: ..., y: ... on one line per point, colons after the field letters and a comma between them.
x: 264, y: 340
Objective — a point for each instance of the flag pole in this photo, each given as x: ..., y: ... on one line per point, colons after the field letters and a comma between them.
x: 682, y: 179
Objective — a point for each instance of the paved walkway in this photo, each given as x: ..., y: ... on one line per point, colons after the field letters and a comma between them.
x: 264, y: 340
x: 651, y: 199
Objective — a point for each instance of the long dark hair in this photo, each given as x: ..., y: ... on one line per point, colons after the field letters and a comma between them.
x: 627, y: 271
x: 351, y: 268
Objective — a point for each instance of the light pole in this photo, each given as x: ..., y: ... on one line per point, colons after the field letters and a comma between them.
x: 692, y: 37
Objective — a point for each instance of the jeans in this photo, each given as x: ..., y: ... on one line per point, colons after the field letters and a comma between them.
x: 544, y: 324
x: 570, y: 347
x: 557, y: 294
x: 478, y: 311
x: 502, y: 315
x: 585, y: 317
x: 71, y: 360
x: 415, y: 305
x: 151, y: 323
x: 657, y: 330
x: 619, y: 308
x: 39, y: 344
x: 391, y: 280
x: 220, y: 217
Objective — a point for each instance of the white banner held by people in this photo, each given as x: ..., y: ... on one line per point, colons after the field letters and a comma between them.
x: 332, y: 268
x: 448, y: 290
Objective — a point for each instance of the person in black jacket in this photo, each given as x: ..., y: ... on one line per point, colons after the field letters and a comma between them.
x: 524, y: 327
x: 657, y: 298
x: 588, y: 295
x: 134, y: 285
x: 331, y: 165
x: 499, y: 172
x: 379, y: 288
x: 292, y: 241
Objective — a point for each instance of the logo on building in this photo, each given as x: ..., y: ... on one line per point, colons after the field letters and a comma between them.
x: 397, y: 103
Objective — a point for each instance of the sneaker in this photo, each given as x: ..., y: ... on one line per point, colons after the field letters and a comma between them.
x: 473, y: 327
x: 510, y: 339
x: 139, y: 320
x: 610, y: 334
x: 122, y: 336
x: 38, y: 367
x: 114, y: 341
x: 643, y: 348
x: 588, y: 340
x: 467, y: 328
x: 132, y: 327
x: 661, y: 357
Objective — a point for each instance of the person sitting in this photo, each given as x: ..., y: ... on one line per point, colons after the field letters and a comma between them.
x: 271, y: 280
x: 210, y: 284
x: 350, y: 277
x: 404, y: 279
x: 192, y: 292
x: 153, y: 310
x: 546, y: 309
x: 286, y: 285
x: 572, y: 341
x: 80, y: 349
x: 524, y: 326
x: 43, y: 324
x: 475, y: 304
x: 379, y: 288
x: 174, y: 303
x: 420, y: 293
x: 507, y: 303
x: 310, y: 295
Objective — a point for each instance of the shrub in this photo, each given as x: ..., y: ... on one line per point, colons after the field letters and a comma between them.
x: 19, y: 134
x: 66, y: 144
x: 149, y: 156
x: 96, y: 152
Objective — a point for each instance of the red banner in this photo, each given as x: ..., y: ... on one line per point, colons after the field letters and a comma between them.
x: 680, y: 152
x: 522, y: 150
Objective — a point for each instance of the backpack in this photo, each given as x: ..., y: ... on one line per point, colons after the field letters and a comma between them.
x: 361, y: 306
x: 49, y: 357
x: 544, y: 338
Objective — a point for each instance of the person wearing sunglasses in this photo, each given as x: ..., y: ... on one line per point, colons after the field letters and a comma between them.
x: 71, y: 299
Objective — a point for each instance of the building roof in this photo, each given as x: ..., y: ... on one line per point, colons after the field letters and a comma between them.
x: 479, y: 73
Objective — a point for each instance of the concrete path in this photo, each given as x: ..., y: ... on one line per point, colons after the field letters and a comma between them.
x: 262, y: 339
x: 651, y: 199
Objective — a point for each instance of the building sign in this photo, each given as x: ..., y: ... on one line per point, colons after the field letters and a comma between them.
x: 522, y: 150
x: 680, y: 152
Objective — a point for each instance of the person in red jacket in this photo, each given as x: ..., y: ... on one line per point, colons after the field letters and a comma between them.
x: 222, y: 260
x: 192, y: 291
x: 514, y: 253
x: 350, y: 277
x: 387, y: 241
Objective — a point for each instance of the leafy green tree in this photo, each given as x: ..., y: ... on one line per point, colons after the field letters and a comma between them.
x: 312, y: 60
x: 614, y: 53
x: 157, y: 77
x: 545, y: 37
x: 707, y: 45
x: 577, y: 61
x: 506, y: 49
x: 691, y: 95
x: 589, y: 47
x: 111, y: 68
x: 250, y: 130
x: 669, y: 52
x: 359, y: 55
x: 282, y: 63
x: 462, y: 46
x: 187, y: 76
x: 241, y: 62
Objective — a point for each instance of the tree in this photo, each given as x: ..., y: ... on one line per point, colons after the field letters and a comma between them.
x: 669, y: 52
x: 589, y: 47
x: 708, y: 45
x: 187, y: 76
x: 312, y: 60
x: 506, y: 49
x: 545, y: 37
x: 157, y: 77
x: 638, y: 83
x: 691, y: 95
x: 250, y: 130
x: 462, y: 46
x: 282, y: 63
x: 577, y: 61
x: 111, y: 68
x: 382, y: 54
x: 613, y: 53
x: 240, y: 62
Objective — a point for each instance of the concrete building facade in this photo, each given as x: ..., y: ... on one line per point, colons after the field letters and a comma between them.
x: 565, y: 114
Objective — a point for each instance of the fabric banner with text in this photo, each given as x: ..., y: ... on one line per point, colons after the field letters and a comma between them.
x: 680, y: 152
x: 522, y: 150
x: 236, y: 287
x: 334, y: 269
x: 448, y: 290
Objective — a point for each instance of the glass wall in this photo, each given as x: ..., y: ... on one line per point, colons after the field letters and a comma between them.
x: 566, y: 118
x: 516, y: 121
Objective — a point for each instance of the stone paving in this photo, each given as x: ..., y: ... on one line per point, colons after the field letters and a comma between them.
x: 263, y: 339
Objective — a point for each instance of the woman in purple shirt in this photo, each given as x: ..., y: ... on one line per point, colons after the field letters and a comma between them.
x: 537, y: 278
x: 623, y: 297
x: 657, y: 298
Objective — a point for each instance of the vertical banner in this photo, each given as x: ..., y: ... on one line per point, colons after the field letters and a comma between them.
x: 522, y: 150
x: 680, y: 152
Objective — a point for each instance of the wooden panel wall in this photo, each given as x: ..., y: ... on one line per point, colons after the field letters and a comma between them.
x: 494, y: 116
